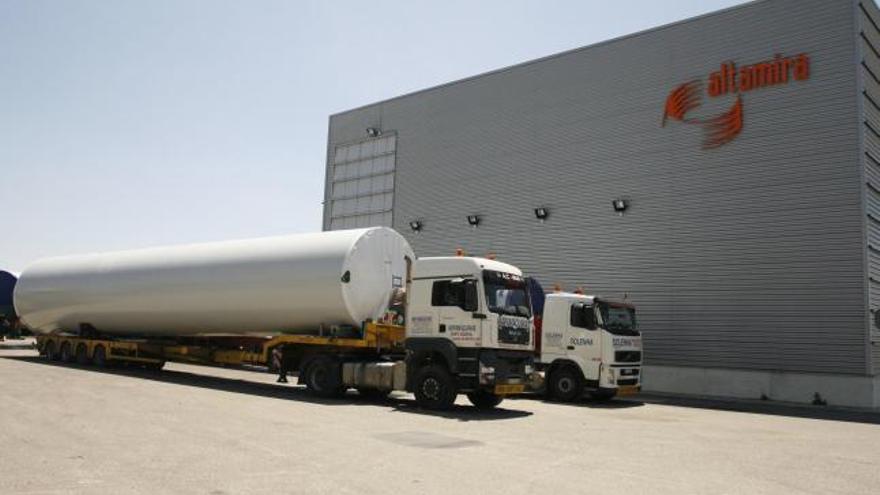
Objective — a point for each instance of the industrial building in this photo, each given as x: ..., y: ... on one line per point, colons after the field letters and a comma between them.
x: 722, y: 173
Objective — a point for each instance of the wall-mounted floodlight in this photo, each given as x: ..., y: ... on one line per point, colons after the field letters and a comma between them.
x: 620, y: 205
x: 473, y: 220
x: 541, y: 213
x: 416, y: 225
x: 373, y: 132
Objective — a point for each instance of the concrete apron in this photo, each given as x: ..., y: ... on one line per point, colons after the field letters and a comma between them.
x: 835, y: 390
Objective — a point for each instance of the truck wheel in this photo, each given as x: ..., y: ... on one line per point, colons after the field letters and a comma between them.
x: 324, y: 378
x: 434, y: 388
x: 49, y: 349
x: 565, y: 385
x: 66, y: 354
x: 82, y: 355
x: 99, y: 357
x: 603, y: 395
x: 484, y: 400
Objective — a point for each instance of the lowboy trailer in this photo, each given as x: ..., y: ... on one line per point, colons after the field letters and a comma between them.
x: 302, y: 354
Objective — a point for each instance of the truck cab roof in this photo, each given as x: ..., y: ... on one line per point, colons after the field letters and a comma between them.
x: 444, y: 266
x: 587, y: 299
x: 570, y: 296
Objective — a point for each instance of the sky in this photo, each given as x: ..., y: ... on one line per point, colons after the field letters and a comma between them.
x: 127, y: 124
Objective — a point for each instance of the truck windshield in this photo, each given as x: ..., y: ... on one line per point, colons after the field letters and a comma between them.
x: 506, y: 294
x: 619, y: 320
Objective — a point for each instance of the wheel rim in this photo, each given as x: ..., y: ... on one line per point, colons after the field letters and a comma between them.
x: 431, y: 388
x: 565, y: 384
x: 316, y: 378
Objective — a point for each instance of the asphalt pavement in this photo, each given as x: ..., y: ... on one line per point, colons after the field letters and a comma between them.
x: 190, y: 429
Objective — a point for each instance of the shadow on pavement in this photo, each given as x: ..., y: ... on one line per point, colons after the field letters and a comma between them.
x: 829, y: 413
x: 284, y: 392
x: 586, y: 402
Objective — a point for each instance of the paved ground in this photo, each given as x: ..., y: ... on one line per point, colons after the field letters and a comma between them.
x: 213, y: 431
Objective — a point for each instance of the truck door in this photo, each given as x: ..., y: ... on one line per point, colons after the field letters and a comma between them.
x: 583, y: 343
x: 454, y: 302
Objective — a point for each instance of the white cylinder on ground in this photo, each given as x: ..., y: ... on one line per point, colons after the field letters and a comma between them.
x: 287, y: 284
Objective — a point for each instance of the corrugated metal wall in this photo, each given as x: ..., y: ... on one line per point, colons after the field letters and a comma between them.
x: 869, y: 65
x: 745, y: 256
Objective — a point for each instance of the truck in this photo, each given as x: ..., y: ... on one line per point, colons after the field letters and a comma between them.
x: 340, y: 309
x: 9, y: 325
x: 584, y: 344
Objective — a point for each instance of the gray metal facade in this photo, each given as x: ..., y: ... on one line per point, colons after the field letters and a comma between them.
x: 869, y: 80
x: 753, y: 255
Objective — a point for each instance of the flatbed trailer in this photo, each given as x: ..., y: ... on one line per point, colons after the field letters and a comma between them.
x: 374, y: 342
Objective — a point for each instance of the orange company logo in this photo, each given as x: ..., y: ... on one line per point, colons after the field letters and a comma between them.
x: 730, y: 80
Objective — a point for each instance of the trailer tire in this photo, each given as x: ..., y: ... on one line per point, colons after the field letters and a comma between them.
x: 66, y: 354
x: 565, y: 384
x: 49, y: 349
x: 82, y: 355
x: 434, y: 388
x: 324, y: 377
x: 99, y: 356
x: 483, y: 400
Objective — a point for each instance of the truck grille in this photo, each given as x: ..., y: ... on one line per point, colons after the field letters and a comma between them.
x: 627, y: 356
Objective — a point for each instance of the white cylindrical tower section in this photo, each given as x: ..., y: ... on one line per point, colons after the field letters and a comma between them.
x: 289, y: 284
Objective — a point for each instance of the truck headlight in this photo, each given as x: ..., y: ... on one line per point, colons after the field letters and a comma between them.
x: 609, y: 375
x: 529, y: 369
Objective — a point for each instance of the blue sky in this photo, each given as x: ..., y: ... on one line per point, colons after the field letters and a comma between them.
x: 128, y: 124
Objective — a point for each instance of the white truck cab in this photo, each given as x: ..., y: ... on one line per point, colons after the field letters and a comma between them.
x: 468, y: 320
x: 588, y: 344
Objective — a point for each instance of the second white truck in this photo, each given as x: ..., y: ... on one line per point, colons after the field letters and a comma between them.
x: 585, y: 344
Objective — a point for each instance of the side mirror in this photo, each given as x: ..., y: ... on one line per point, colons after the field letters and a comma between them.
x: 589, y: 318
x: 470, y: 302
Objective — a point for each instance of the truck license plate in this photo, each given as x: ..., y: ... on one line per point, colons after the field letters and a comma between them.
x: 628, y: 390
x: 509, y: 389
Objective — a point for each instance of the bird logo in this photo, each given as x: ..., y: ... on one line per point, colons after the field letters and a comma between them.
x: 718, y: 130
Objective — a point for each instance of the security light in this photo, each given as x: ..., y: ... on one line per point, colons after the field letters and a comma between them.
x: 373, y: 132
x: 620, y: 205
x: 415, y: 225
x: 473, y: 220
x: 541, y: 213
